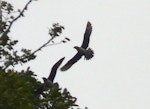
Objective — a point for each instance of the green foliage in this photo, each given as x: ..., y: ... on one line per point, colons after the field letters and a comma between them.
x: 17, y: 92
x: 55, y: 98
x: 8, y: 55
x: 56, y: 30
x: 18, y: 89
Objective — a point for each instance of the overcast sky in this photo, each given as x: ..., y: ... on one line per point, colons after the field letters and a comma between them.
x: 118, y: 77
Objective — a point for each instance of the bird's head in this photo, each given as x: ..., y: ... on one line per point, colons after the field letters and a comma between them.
x: 44, y: 79
x: 77, y: 48
x: 48, y: 82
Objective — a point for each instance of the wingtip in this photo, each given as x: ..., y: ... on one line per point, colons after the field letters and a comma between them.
x: 89, y: 23
x: 64, y: 68
x: 57, y: 64
x: 62, y: 58
x: 60, y: 61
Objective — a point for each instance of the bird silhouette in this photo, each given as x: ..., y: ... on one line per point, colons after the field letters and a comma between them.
x: 81, y: 51
x: 49, y: 81
x: 54, y: 70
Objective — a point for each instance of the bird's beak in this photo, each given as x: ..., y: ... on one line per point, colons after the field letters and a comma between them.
x: 75, y: 47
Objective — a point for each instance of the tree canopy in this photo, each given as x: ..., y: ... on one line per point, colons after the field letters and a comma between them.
x: 18, y: 88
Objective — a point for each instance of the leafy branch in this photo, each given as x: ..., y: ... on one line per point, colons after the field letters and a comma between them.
x: 15, y: 19
x: 9, y: 56
x: 54, y: 32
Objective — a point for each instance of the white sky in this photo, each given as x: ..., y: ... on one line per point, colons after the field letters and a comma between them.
x: 118, y: 77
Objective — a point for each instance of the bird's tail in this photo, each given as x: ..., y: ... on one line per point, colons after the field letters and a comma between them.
x: 90, y: 54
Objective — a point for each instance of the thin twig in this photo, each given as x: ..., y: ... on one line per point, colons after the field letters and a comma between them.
x: 0, y: 11
x: 44, y: 45
x: 21, y: 14
x: 54, y: 44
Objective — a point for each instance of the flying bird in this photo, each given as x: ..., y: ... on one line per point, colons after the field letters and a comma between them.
x: 81, y: 51
x: 54, y: 70
x: 49, y: 81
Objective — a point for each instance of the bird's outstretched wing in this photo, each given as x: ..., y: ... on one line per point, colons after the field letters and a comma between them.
x: 87, y: 34
x: 54, y: 70
x: 50, y: 79
x: 71, y: 62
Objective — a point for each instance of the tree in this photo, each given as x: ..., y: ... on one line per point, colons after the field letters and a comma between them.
x: 17, y: 89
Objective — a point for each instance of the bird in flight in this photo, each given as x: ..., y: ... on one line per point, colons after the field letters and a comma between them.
x: 49, y: 81
x: 54, y: 70
x: 81, y: 51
